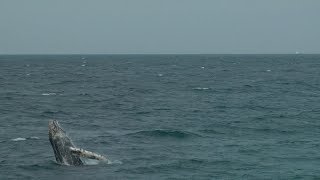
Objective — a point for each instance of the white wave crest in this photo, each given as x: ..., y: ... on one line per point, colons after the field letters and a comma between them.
x: 201, y: 88
x: 23, y: 139
x: 19, y: 139
x: 34, y: 137
x: 48, y: 94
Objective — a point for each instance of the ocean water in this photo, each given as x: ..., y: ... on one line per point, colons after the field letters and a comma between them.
x: 163, y: 116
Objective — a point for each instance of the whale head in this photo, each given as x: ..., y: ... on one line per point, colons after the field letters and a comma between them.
x: 62, y: 145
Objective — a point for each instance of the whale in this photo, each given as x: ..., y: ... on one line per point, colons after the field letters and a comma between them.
x: 65, y: 152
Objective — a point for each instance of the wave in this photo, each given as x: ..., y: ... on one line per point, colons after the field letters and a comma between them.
x: 201, y: 88
x: 64, y: 82
x: 19, y: 139
x: 143, y: 112
x: 162, y: 109
x: 54, y: 112
x: 24, y: 139
x: 210, y: 131
x: 48, y: 94
x: 273, y: 130
x: 34, y: 137
x: 165, y: 133
x: 174, y: 165
x: 92, y: 162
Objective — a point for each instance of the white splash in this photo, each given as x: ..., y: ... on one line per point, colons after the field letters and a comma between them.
x: 92, y: 162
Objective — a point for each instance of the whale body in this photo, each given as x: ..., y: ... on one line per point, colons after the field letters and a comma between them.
x: 65, y: 151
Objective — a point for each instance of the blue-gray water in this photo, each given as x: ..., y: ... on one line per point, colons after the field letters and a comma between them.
x: 163, y: 116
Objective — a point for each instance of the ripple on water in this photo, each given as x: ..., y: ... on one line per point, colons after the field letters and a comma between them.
x: 162, y: 133
x: 48, y: 94
x: 24, y: 139
x: 201, y: 88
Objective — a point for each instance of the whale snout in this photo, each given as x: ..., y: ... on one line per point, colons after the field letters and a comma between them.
x: 54, y: 127
x: 53, y: 123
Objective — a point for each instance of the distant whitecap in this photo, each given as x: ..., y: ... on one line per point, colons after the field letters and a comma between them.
x: 268, y: 70
x: 23, y: 139
x: 202, y: 67
x: 19, y: 139
x: 48, y: 94
x: 160, y: 75
x: 201, y: 88
x: 83, y: 65
x: 34, y: 137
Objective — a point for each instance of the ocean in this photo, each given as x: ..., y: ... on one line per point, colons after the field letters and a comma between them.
x: 163, y: 116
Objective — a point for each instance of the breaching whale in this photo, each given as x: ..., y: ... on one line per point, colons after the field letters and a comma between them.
x: 64, y: 150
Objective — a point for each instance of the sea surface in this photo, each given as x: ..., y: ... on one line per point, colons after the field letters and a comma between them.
x: 163, y: 116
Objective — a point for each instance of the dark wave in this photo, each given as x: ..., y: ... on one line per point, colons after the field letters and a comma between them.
x: 210, y: 131
x: 174, y: 165
x: 160, y: 133
x: 268, y: 130
x: 143, y: 112
x: 54, y: 112
x: 162, y: 109
x: 45, y: 165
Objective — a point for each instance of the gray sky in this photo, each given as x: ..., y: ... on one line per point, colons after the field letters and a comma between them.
x: 159, y: 26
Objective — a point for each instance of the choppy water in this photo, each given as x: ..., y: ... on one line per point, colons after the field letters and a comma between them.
x: 163, y: 116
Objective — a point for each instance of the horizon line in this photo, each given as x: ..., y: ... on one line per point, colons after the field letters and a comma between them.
x: 40, y: 54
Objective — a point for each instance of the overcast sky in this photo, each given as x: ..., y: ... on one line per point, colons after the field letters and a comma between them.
x: 159, y: 26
